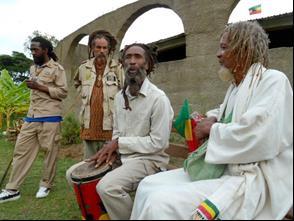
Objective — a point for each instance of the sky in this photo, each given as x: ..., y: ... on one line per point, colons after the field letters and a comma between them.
x: 19, y: 18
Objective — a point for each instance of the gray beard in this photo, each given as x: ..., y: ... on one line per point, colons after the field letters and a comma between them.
x: 225, y: 74
x: 135, y: 80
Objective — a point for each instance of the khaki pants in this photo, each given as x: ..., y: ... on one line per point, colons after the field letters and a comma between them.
x: 115, y: 186
x: 91, y: 147
x: 33, y: 136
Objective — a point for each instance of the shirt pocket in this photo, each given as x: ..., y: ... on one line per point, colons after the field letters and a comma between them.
x: 47, y: 79
x: 85, y: 91
x: 111, y: 83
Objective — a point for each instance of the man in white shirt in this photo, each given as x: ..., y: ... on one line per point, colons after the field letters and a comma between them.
x: 142, y: 124
x: 256, y: 146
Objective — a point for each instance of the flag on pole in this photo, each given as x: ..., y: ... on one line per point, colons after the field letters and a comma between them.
x: 184, y: 125
x: 255, y: 9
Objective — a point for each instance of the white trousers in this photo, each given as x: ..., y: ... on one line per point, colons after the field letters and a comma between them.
x: 172, y: 195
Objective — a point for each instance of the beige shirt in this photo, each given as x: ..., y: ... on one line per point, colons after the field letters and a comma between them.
x: 143, y: 132
x: 84, y: 80
x: 53, y: 76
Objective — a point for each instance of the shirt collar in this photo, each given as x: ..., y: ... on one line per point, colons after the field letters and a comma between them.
x: 48, y: 64
x: 110, y: 63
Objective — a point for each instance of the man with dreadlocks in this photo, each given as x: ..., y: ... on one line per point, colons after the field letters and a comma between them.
x: 42, y: 124
x: 98, y: 80
x: 256, y: 147
x: 142, y: 124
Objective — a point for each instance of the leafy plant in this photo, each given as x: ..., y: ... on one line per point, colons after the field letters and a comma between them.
x: 14, y: 98
x: 70, y: 131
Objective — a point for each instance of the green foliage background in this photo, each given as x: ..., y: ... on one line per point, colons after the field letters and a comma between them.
x: 70, y: 130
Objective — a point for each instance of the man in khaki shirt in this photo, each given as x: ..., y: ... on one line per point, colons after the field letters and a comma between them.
x: 98, y: 80
x: 142, y: 124
x: 42, y: 124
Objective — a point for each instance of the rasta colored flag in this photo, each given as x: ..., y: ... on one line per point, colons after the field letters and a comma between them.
x: 255, y: 10
x: 184, y: 125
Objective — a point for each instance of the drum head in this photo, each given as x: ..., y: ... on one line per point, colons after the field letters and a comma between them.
x: 88, y: 172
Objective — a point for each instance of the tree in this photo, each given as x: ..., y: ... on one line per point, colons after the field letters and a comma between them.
x: 14, y: 98
x: 18, y: 65
x: 37, y: 33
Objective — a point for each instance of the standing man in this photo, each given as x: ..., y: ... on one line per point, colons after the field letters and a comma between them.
x: 256, y: 147
x: 42, y: 124
x: 98, y: 80
x: 142, y: 124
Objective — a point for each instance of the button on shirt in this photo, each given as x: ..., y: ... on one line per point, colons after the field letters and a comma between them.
x: 144, y: 131
x: 53, y: 76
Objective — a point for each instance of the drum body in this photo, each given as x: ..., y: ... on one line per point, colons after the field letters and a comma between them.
x: 85, y: 178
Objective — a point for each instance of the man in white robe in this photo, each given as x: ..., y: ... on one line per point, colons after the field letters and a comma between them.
x: 257, y: 146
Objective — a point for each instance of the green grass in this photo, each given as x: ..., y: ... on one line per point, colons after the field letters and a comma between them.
x: 59, y: 205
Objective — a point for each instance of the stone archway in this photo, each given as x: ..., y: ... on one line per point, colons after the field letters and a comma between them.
x: 194, y: 77
x: 130, y: 20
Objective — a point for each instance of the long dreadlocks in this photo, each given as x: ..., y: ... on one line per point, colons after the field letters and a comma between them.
x: 249, y: 44
x: 150, y: 57
x: 44, y: 43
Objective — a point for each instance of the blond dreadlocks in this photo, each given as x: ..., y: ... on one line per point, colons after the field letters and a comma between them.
x: 249, y: 44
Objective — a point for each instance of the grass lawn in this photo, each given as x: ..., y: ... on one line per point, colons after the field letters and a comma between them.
x: 59, y: 205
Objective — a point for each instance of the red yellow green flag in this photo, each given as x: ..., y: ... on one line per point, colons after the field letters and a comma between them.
x: 184, y: 126
x: 255, y: 9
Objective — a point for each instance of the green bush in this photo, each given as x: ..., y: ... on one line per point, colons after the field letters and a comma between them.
x: 70, y: 130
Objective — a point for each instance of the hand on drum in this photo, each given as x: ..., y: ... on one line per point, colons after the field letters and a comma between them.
x: 202, y: 130
x: 107, y: 154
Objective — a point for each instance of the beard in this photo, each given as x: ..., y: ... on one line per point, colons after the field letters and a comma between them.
x: 39, y: 60
x: 134, y: 80
x: 100, y: 59
x: 225, y: 74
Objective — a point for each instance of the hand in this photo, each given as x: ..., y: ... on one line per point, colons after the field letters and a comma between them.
x: 106, y: 154
x: 32, y: 84
x: 202, y: 130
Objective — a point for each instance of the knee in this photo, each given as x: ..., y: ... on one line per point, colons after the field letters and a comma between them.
x: 104, y: 187
x: 145, y: 186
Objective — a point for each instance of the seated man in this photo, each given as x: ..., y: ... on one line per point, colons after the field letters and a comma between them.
x: 142, y: 124
x: 256, y: 147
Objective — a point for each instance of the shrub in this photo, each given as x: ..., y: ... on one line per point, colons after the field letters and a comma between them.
x: 70, y: 130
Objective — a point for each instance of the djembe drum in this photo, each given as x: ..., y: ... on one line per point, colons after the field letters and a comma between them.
x: 85, y: 178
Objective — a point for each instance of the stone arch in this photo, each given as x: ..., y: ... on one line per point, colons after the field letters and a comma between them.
x: 203, y: 20
x: 76, y: 48
x: 166, y: 52
x: 130, y: 20
x: 195, y: 76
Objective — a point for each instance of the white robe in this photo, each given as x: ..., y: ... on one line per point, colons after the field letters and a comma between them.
x: 258, y: 149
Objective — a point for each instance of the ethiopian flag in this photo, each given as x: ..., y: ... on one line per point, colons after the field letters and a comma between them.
x: 255, y: 10
x: 184, y: 126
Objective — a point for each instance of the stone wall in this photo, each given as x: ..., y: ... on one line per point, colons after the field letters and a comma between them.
x: 193, y: 78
